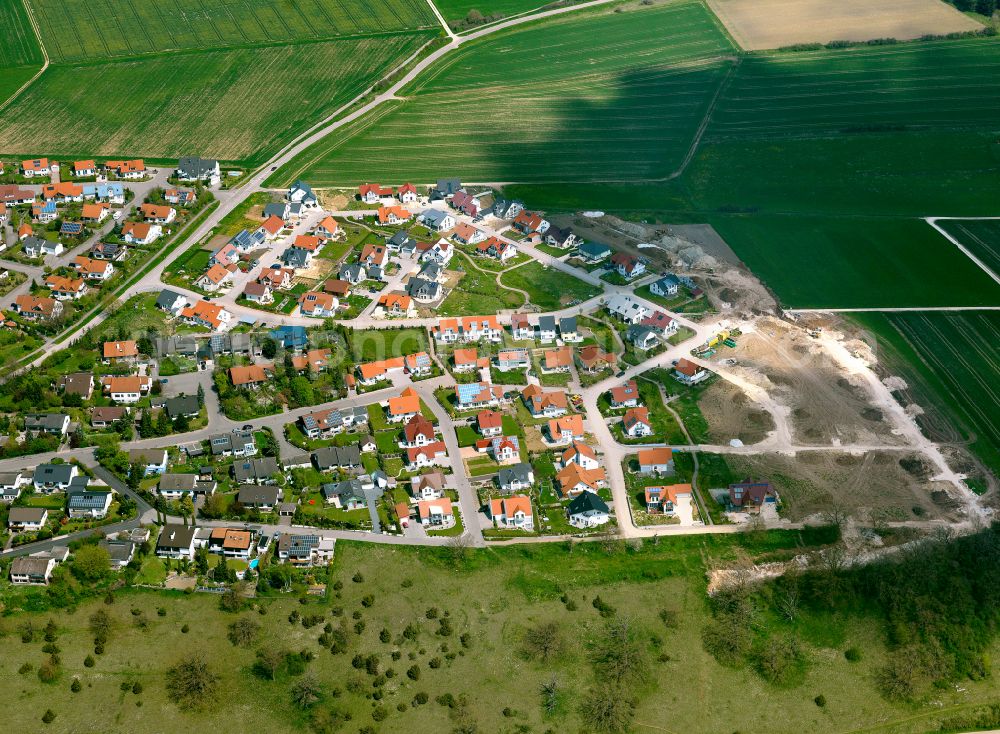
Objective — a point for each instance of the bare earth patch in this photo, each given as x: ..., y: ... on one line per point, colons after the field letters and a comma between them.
x: 892, y: 483
x: 762, y: 24
x: 731, y: 414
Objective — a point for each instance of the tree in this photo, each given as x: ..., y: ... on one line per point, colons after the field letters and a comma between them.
x: 201, y: 395
x: 146, y: 424
x: 231, y: 600
x: 201, y: 560
x: 543, y: 642
x: 163, y: 425
x: 91, y: 562
x: 269, y: 348
x: 618, y: 656
x: 181, y: 423
x: 215, y: 507
x: 187, y: 507
x: 269, y: 661
x: 608, y: 709
x: 306, y: 691
x: 100, y: 624
x: 136, y: 473
x: 191, y: 683
x: 243, y: 631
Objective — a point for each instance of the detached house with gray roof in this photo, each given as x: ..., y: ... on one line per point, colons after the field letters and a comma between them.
x: 92, y: 502
x: 192, y: 168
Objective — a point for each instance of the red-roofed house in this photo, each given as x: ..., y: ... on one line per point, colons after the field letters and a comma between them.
x: 512, y: 513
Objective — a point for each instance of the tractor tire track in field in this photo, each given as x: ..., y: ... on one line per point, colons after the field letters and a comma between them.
x: 45, y: 59
x: 933, y: 221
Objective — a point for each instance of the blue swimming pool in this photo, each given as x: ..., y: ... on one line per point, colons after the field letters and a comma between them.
x: 254, y: 563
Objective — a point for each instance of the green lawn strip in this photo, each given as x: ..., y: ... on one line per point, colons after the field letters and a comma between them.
x: 549, y: 289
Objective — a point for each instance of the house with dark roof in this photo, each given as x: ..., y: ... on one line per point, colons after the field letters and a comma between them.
x: 92, y: 502
x: 516, y: 478
x: 258, y: 496
x: 256, y: 471
x: 587, y: 510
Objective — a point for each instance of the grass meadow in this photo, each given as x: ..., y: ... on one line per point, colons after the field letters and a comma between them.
x: 235, y: 105
x: 951, y: 363
x: 594, y: 96
x: 494, y: 597
x: 75, y: 30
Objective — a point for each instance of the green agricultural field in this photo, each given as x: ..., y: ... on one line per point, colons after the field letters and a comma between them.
x: 76, y: 30
x: 236, y: 105
x: 19, y: 45
x: 456, y: 10
x: 951, y: 363
x: 596, y: 96
x: 938, y: 85
x: 816, y: 262
x: 980, y: 237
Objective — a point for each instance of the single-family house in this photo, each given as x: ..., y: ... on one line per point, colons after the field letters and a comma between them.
x: 666, y: 286
x: 54, y: 424
x: 48, y: 478
x: 128, y: 389
x: 176, y: 541
x: 66, y: 289
x: 478, y: 395
x: 489, y: 423
x: 636, y: 424
x: 141, y: 233
x: 628, y: 266
x: 511, y: 513
x: 301, y: 193
x: 436, y: 513
x: 92, y: 502
x: 642, y: 337
x: 512, y: 359
x: 574, y: 480
x: 566, y: 429
x: 627, y: 309
x: 27, y: 519
x: 427, y: 486
x: 32, y: 570
x: 625, y: 396
x: 437, y: 220
x: 688, y: 372
x: 587, y: 510
x: 259, y: 496
x: 542, y: 404
x: 593, y: 359
x: 656, y: 461
x: 751, y: 496
x: 663, y: 500
x: 210, y: 315
x: 193, y: 168
x: 153, y: 461
x: 592, y: 252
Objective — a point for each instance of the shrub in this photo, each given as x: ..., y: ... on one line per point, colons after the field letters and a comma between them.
x: 48, y: 671
x: 367, y: 600
x: 185, y: 629
x: 413, y: 672
x: 434, y: 663
x: 88, y: 662
x: 358, y: 577
x: 243, y: 631
x: 49, y: 716
x: 384, y: 636
x: 380, y: 713
x: 852, y: 654
x: 75, y: 686
x: 420, y: 699
x: 137, y: 688
x: 820, y: 700
x: 26, y: 668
